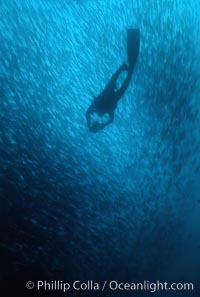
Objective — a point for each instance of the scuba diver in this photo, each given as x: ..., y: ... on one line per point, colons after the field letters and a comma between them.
x: 106, y: 102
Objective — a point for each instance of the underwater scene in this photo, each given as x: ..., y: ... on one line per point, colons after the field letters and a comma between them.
x: 99, y: 202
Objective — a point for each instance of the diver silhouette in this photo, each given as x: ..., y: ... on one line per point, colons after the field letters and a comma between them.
x: 106, y: 102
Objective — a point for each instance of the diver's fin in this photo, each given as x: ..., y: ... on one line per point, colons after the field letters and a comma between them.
x: 133, y: 46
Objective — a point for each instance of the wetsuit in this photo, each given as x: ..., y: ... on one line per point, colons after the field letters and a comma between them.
x: 106, y: 101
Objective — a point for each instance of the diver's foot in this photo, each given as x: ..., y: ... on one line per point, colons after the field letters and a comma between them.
x: 125, y: 66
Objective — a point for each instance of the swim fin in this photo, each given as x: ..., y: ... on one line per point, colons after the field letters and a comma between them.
x: 133, y: 47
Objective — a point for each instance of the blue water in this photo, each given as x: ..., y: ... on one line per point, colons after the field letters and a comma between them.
x: 119, y: 204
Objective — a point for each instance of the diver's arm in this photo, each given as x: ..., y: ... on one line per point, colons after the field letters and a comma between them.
x: 97, y: 127
x: 88, y: 114
x: 111, y: 119
x: 88, y: 117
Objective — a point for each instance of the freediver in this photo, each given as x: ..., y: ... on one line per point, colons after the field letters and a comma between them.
x: 106, y: 101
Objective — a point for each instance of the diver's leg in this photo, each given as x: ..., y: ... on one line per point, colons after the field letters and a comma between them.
x: 133, y: 46
x: 119, y: 93
x: 115, y: 76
